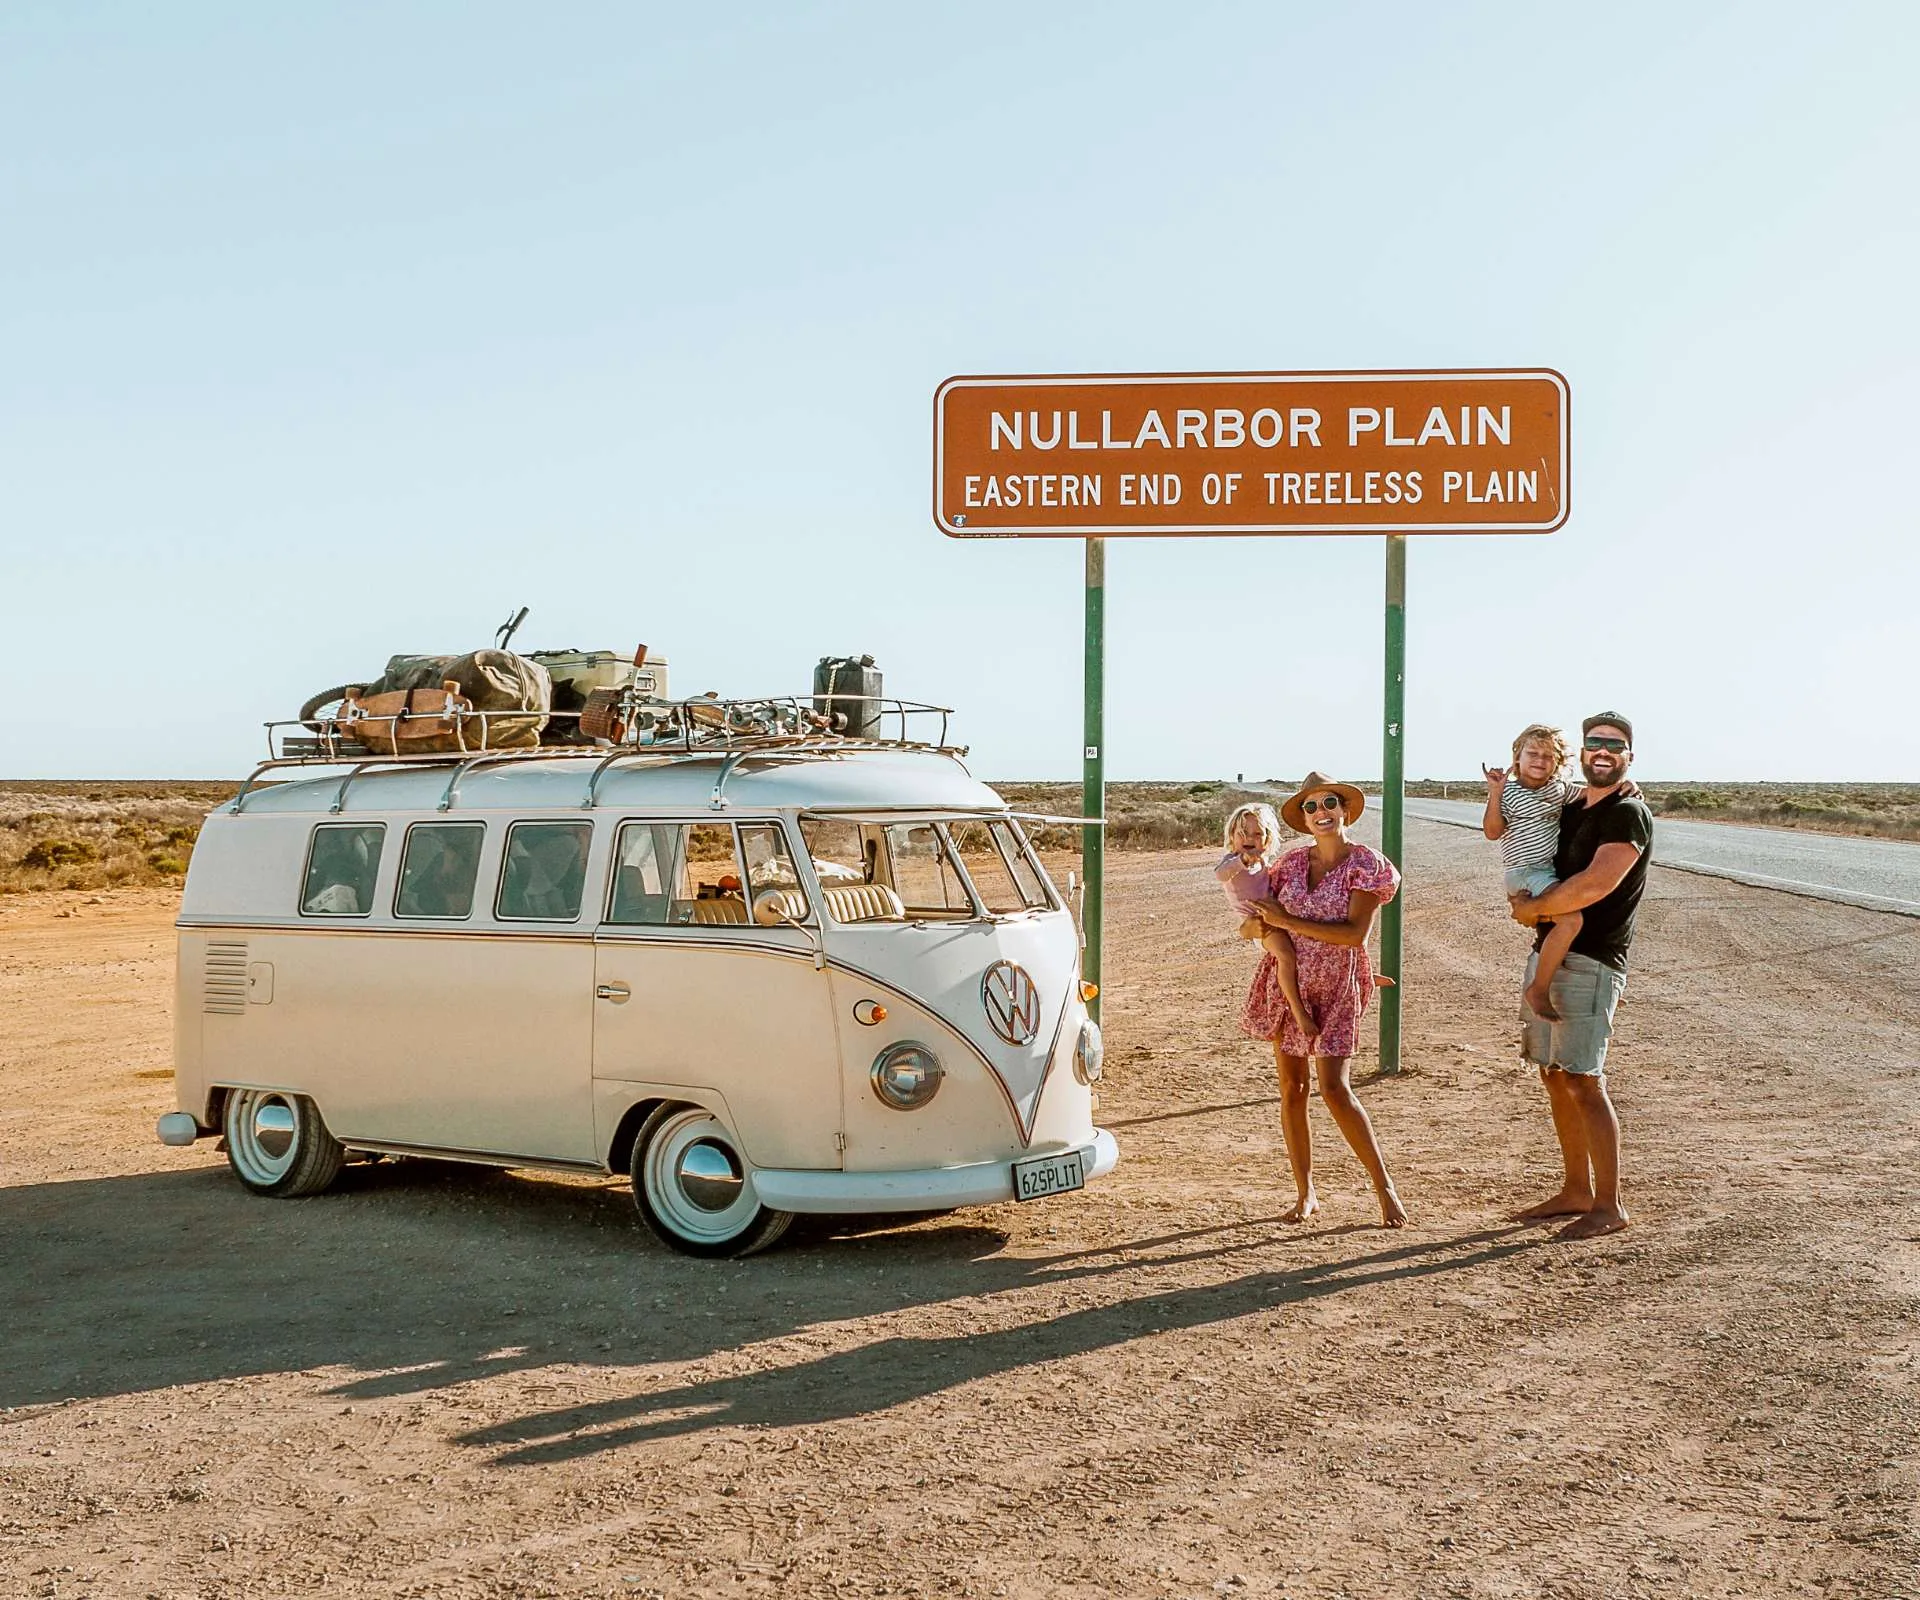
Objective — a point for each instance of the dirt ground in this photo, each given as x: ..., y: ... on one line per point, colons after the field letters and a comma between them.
x: 449, y: 1382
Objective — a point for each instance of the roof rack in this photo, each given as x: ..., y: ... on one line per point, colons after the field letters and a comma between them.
x: 703, y: 728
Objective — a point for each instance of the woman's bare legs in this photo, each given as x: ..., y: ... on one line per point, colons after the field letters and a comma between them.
x: 1287, y: 970
x: 1293, y: 1126
x: 1357, y: 1128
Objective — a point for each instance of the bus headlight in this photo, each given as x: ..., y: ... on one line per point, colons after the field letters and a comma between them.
x: 907, y: 1075
x: 1089, y: 1054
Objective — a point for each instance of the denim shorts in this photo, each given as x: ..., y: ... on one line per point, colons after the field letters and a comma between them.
x: 1585, y: 992
x: 1530, y: 880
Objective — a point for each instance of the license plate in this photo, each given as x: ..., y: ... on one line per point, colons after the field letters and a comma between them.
x: 1048, y: 1175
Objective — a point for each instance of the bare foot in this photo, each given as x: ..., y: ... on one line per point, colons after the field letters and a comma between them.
x: 1567, y: 1203
x: 1392, y: 1213
x: 1540, y: 1003
x: 1382, y: 981
x: 1596, y: 1222
x: 1304, y: 1208
x: 1303, y: 1020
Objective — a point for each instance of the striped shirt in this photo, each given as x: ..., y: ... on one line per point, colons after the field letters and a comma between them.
x: 1532, y: 817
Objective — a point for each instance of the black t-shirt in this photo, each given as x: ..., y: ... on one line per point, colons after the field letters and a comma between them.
x: 1618, y: 819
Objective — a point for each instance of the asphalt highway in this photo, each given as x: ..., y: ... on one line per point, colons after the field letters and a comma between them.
x: 1880, y: 874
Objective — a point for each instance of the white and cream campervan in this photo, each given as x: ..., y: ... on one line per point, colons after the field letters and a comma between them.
x: 766, y: 978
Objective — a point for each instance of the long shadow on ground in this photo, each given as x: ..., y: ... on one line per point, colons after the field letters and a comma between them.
x: 891, y: 1372
x: 419, y: 1276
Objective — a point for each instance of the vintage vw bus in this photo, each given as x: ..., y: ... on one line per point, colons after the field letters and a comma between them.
x: 760, y: 980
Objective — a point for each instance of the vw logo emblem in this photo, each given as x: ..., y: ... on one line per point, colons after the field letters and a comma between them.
x: 1012, y: 1002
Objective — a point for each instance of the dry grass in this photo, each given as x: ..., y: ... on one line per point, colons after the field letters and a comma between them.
x: 102, y: 834
x: 109, y: 833
x: 1879, y: 810
x: 1159, y: 816
x: 1140, y: 816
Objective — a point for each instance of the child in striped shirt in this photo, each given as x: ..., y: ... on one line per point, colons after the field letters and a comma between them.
x: 1523, y: 813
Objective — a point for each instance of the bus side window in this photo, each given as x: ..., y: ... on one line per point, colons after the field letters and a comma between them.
x: 642, y: 859
x: 544, y: 872
x: 770, y: 866
x: 706, y: 880
x: 438, y: 869
x: 342, y: 864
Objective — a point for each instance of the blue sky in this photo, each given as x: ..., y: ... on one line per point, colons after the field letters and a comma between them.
x: 334, y: 331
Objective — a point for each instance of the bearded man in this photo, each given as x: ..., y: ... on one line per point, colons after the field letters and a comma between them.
x: 1606, y: 841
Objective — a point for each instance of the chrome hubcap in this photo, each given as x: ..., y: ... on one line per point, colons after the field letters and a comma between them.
x: 273, y: 1128
x: 263, y: 1135
x: 709, y: 1176
x: 696, y: 1183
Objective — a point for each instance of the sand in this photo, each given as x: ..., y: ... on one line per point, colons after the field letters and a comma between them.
x: 452, y: 1382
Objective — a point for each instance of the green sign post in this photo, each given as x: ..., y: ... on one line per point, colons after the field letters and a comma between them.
x: 1093, y: 770
x: 1393, y: 795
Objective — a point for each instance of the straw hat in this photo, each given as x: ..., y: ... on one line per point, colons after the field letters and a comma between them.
x: 1352, y: 800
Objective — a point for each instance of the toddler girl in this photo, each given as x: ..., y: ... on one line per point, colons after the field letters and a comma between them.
x: 1253, y: 845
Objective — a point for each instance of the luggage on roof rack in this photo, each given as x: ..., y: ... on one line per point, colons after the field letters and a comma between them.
x: 421, y: 704
x: 560, y: 702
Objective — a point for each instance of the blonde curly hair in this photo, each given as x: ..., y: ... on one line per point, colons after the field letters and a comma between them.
x: 1547, y: 735
x: 1269, y: 829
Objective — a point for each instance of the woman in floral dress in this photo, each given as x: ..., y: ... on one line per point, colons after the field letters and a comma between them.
x: 1324, y: 895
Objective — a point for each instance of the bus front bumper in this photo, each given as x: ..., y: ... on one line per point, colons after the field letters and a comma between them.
x: 984, y: 1183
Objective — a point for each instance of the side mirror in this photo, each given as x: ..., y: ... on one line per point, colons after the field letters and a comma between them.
x: 772, y: 909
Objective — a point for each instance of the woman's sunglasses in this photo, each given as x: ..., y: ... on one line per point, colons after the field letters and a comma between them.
x: 1600, y: 741
x: 1329, y: 803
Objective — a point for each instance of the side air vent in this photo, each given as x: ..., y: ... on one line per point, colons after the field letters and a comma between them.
x: 224, y: 988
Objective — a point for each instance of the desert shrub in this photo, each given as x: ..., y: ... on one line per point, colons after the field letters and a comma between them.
x: 46, y: 854
x: 99, y: 834
x: 1140, y: 816
x: 1885, y: 810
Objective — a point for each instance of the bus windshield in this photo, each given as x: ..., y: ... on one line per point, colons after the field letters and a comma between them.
x: 941, y: 869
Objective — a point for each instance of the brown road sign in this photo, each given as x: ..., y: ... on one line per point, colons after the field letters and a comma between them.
x: 1250, y: 452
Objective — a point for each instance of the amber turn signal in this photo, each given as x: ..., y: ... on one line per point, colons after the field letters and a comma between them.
x: 1089, y: 991
x: 868, y: 1012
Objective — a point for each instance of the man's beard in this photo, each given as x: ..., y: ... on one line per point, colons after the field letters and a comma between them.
x: 1619, y: 770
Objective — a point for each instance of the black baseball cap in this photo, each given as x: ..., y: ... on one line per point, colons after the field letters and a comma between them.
x: 1612, y: 719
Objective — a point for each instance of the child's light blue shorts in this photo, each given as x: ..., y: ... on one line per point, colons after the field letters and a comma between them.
x: 1530, y: 880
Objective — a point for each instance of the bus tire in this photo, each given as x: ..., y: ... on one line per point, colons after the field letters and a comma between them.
x: 278, y: 1145
x: 694, y: 1188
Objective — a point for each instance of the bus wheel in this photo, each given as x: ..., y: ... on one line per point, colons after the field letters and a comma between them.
x: 694, y: 1188
x: 277, y: 1144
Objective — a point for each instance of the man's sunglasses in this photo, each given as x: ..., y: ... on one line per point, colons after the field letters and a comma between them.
x: 1330, y: 803
x: 1599, y: 741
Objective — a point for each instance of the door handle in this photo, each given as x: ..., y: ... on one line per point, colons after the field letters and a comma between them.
x: 618, y: 993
